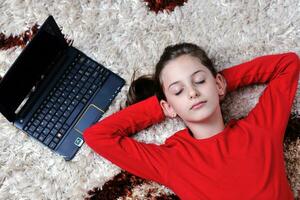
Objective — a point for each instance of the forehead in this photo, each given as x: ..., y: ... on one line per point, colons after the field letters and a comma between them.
x: 181, y: 68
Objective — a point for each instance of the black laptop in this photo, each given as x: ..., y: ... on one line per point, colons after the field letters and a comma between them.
x: 53, y: 91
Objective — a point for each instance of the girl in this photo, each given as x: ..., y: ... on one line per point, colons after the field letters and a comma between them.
x: 208, y: 159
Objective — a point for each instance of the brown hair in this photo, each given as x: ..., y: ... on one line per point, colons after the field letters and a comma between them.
x: 149, y: 85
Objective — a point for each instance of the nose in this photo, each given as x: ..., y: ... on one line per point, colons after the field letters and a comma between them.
x: 193, y: 93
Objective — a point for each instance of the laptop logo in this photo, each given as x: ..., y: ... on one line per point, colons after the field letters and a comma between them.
x: 78, y: 142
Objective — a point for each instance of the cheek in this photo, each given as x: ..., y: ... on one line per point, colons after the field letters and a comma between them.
x: 177, y: 104
x: 212, y: 93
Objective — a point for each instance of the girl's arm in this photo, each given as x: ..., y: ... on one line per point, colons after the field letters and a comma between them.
x: 281, y: 72
x: 110, y: 139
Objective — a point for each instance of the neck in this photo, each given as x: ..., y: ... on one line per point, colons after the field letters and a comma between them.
x: 208, y: 127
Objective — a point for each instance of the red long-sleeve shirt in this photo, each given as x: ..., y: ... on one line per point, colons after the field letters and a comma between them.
x: 244, y: 161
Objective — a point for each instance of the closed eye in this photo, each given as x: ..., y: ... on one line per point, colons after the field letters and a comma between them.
x: 178, y: 93
x: 199, y: 82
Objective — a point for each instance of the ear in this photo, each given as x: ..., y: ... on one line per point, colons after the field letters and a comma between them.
x: 221, y: 86
x: 167, y: 108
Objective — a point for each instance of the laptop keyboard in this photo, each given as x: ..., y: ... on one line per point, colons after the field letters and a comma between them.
x: 68, y: 97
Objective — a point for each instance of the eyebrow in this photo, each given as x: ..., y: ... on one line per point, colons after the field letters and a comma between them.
x: 200, y: 70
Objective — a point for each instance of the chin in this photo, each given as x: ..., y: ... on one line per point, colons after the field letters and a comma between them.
x: 197, y: 117
x: 200, y: 115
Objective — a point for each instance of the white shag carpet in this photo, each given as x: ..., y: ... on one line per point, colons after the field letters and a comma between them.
x: 123, y: 36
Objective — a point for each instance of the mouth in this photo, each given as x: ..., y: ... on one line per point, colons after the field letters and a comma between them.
x: 198, y: 105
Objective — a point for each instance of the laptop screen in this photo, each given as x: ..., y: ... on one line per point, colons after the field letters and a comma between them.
x: 30, y: 67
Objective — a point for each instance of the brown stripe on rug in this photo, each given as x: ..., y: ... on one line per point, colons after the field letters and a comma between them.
x: 17, y: 40
x: 161, y: 5
x: 21, y: 40
x: 292, y: 132
x: 121, y: 185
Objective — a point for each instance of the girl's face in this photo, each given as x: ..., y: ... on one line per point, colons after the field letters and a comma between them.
x: 187, y: 82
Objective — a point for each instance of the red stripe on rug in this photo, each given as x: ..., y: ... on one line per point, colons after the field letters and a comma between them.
x: 17, y: 40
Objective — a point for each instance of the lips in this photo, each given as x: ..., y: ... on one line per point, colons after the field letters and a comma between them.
x: 198, y: 104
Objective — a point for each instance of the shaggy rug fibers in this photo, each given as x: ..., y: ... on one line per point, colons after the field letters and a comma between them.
x: 126, y: 36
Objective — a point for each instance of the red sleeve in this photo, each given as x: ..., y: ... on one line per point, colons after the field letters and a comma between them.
x: 110, y: 139
x: 281, y: 73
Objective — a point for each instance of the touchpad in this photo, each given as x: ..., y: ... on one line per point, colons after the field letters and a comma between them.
x: 89, y: 117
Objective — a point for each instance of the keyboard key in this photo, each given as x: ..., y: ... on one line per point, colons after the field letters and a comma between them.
x: 74, y: 102
x: 48, y: 117
x: 43, y: 123
x: 58, y: 114
x: 53, y: 99
x: 94, y: 88
x: 95, y: 74
x: 76, y: 90
x: 32, y: 128
x: 56, y: 140
x: 70, y: 108
x: 90, y: 92
x: 81, y: 60
x: 71, y: 96
x: 56, y: 106
x: 48, y: 139
x: 81, y: 72
x: 92, y: 67
x: 60, y: 100
x: 79, y: 84
x: 50, y: 125
x: 66, y: 114
x: 67, y: 102
x: 91, y: 80
x: 87, y: 73
x: 45, y: 111
x: 53, y: 131
x: 59, y: 135
x: 58, y: 125
x: 101, y: 70
x: 78, y: 97
x: 87, y: 85
x: 61, y: 88
x: 39, y: 130
x: 84, y: 100
x: 52, y: 145
x: 77, y: 77
x: 41, y: 137
x: 35, y: 134
x: 40, y: 116
x: 62, y: 120
x: 69, y: 77
x: 52, y: 111
x: 62, y: 108
x: 54, y: 119
x: 49, y: 105
x: 46, y: 131
x: 66, y: 127
x: 83, y: 91
x: 57, y: 93
x: 63, y: 131
x: 36, y: 122
x: 84, y: 78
